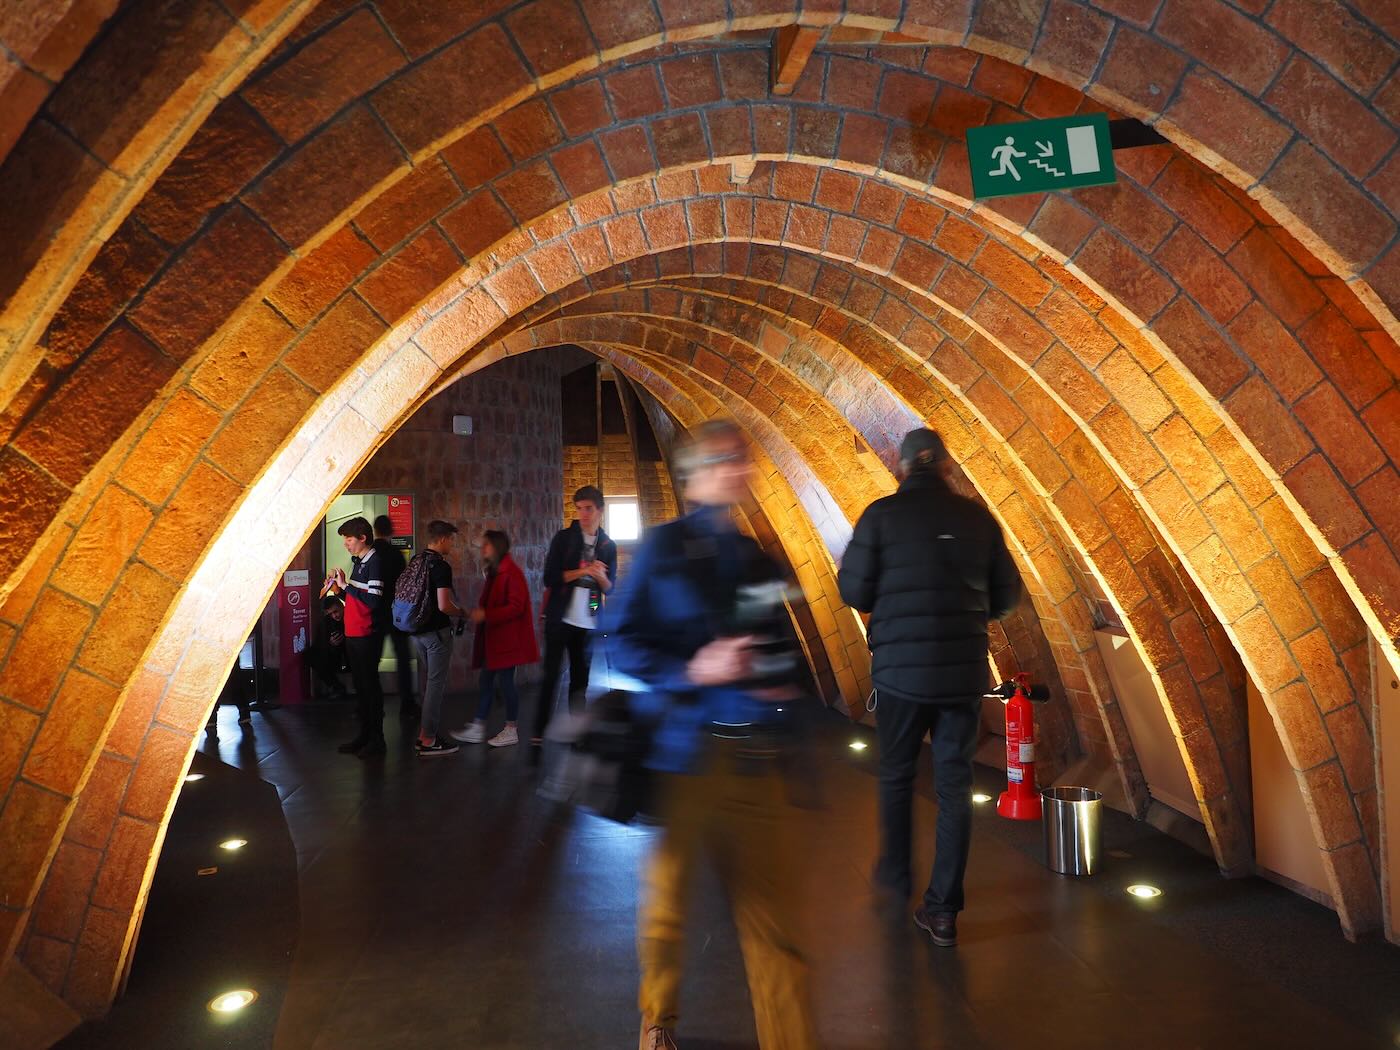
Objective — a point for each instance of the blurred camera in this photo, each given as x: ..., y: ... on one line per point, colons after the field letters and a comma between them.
x: 760, y: 609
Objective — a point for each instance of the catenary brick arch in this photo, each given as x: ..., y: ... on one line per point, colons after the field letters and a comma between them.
x: 165, y: 586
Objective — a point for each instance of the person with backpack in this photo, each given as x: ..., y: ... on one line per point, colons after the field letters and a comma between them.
x: 504, y: 639
x: 424, y: 601
x: 391, y: 565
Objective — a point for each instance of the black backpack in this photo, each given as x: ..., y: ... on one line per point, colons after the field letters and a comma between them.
x: 414, y: 600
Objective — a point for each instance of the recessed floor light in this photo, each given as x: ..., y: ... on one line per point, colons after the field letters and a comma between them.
x: 232, y: 844
x: 981, y: 797
x: 232, y: 1002
x: 858, y: 745
x: 1144, y: 891
x: 190, y: 778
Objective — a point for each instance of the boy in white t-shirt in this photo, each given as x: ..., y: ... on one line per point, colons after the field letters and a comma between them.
x: 580, y: 569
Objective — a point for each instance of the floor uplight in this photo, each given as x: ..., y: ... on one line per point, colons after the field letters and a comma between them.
x: 858, y: 745
x: 981, y: 797
x: 190, y: 778
x: 232, y: 844
x: 1144, y: 891
x: 232, y: 1002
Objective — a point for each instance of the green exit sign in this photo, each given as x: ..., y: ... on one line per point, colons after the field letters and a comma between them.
x: 1039, y: 155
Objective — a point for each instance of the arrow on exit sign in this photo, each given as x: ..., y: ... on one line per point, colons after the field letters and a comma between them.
x: 1039, y: 155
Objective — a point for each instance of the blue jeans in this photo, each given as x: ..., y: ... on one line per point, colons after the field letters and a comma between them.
x: 435, y: 654
x: 489, y: 679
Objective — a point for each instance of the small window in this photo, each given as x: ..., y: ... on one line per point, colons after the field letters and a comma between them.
x: 624, y: 519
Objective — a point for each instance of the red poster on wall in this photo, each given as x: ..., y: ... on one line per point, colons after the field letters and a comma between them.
x: 401, y: 515
x: 294, y: 615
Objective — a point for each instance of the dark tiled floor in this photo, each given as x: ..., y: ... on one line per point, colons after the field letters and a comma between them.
x: 442, y: 904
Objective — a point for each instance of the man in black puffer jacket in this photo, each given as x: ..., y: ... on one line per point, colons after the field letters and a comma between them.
x: 931, y: 568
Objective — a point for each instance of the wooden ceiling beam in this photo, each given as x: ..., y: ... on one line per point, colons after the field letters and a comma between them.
x: 792, y: 47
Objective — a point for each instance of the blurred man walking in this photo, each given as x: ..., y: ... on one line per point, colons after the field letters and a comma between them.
x: 674, y: 625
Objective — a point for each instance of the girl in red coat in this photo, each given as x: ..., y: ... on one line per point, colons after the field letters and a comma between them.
x: 505, y: 638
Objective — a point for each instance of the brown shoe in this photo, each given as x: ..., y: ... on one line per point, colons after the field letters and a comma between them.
x: 654, y: 1037
x: 941, y: 926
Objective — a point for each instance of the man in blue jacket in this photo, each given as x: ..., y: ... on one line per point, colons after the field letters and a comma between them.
x: 672, y: 626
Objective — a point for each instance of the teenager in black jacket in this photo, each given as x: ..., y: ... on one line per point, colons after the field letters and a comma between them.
x: 579, y: 570
x: 932, y: 569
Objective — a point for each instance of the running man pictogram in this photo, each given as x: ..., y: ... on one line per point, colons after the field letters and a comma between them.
x: 1003, y: 156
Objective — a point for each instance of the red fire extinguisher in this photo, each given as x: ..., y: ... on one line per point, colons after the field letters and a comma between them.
x: 1021, y: 799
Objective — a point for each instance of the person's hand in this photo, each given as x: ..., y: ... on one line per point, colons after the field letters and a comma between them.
x: 722, y: 662
x: 599, y: 571
x: 339, y: 577
x: 477, y: 615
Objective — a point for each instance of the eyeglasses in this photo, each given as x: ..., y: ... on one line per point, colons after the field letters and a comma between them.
x: 721, y: 458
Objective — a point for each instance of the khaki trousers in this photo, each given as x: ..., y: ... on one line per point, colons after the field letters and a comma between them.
x: 739, y: 817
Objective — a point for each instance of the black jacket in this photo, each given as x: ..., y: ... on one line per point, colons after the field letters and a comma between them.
x: 931, y: 568
x: 564, y: 553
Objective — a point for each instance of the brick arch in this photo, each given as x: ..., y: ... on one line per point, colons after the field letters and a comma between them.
x: 46, y: 601
x: 103, y: 126
x: 1313, y: 481
x: 344, y: 122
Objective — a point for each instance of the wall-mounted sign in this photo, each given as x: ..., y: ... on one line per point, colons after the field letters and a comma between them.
x: 401, y: 516
x: 1038, y: 155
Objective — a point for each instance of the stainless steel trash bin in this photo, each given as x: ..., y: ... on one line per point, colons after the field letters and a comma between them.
x: 1070, y: 817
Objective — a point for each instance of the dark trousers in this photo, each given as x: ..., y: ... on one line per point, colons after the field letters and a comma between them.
x: 901, y: 725
x: 560, y: 638
x: 326, y: 663
x: 363, y: 655
x: 403, y: 657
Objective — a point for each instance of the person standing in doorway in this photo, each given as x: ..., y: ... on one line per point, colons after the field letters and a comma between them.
x: 391, y: 567
x: 434, y: 639
x: 365, y: 620
x: 504, y: 639
x: 717, y: 744
x: 931, y: 568
x: 580, y: 569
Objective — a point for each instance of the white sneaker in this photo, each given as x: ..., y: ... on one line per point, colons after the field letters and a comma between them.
x: 472, y: 733
x: 505, y: 738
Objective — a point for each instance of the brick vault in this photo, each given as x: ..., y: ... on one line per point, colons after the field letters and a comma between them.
x: 248, y: 239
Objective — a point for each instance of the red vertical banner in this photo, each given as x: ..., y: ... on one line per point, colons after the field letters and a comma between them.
x: 294, y: 616
x: 401, y: 515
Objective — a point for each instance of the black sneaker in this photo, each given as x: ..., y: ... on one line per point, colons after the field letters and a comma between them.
x: 941, y: 926
x: 437, y: 747
x: 352, y: 747
x: 373, y: 749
